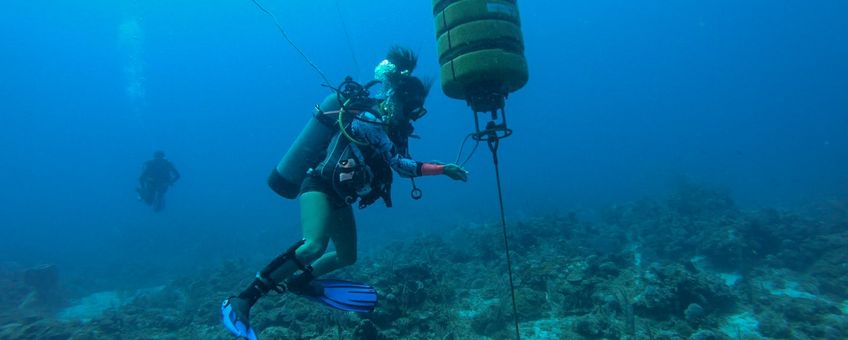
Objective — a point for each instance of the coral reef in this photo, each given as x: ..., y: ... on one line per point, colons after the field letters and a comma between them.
x: 693, y: 266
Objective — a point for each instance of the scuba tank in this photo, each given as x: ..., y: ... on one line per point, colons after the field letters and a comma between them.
x: 481, y: 48
x: 306, y: 151
x: 310, y: 146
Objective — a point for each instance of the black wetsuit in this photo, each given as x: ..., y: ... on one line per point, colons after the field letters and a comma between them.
x: 157, y: 176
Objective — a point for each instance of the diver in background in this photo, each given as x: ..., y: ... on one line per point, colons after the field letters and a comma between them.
x: 358, y: 166
x: 157, y: 175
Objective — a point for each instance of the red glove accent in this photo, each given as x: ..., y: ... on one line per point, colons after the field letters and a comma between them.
x: 430, y: 169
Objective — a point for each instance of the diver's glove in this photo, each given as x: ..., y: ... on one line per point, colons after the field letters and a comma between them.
x: 456, y: 172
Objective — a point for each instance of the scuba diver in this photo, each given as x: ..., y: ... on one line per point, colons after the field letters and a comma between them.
x: 368, y: 143
x: 157, y: 175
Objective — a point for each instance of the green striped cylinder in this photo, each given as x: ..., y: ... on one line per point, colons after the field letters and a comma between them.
x: 479, y: 44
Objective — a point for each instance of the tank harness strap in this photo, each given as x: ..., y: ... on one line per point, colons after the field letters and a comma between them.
x: 264, y: 276
x: 334, y: 150
x: 339, y: 121
x: 325, y: 117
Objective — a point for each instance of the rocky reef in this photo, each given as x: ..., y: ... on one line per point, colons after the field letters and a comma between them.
x: 691, y: 266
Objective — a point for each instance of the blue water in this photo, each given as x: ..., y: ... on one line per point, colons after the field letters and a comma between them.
x: 625, y: 99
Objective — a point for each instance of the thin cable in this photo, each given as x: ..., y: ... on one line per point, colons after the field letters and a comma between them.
x: 286, y: 36
x: 347, y: 37
x: 462, y: 147
x: 493, y: 146
x: 470, y: 154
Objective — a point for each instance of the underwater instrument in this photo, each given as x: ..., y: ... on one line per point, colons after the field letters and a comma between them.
x: 481, y: 58
x: 481, y: 51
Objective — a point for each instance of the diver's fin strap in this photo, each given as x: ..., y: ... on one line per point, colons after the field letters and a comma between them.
x: 299, y: 283
x: 265, y: 284
x: 264, y: 276
x: 303, y: 266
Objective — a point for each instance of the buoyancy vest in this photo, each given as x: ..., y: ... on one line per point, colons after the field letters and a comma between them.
x: 355, y: 172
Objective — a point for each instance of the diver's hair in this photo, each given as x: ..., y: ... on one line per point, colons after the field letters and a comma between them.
x: 413, y: 89
x: 403, y: 58
x: 428, y: 84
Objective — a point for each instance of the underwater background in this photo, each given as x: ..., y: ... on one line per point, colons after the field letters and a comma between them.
x: 678, y: 170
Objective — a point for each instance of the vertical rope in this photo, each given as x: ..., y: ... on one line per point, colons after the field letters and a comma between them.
x: 493, y: 146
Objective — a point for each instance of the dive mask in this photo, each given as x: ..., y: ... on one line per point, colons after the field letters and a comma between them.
x: 416, y: 113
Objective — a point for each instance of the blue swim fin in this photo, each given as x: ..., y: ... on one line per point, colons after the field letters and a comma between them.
x: 339, y: 294
x: 235, y: 318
